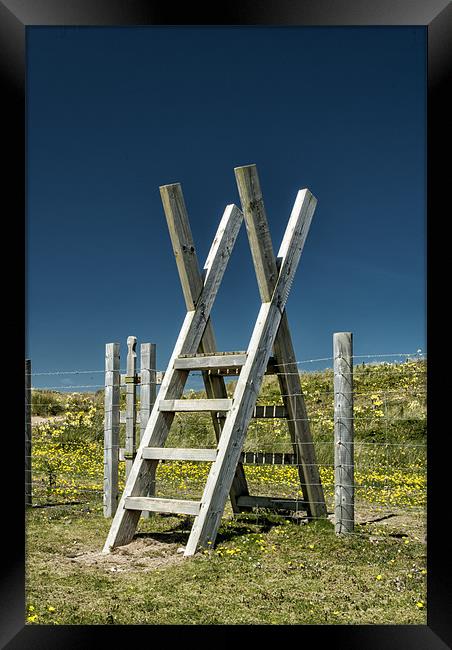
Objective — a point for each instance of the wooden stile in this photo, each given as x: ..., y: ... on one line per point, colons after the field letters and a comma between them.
x: 195, y: 348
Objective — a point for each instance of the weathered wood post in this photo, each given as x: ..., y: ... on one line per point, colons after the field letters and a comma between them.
x: 131, y: 403
x: 344, y: 494
x: 148, y: 382
x: 148, y: 392
x: 111, y: 428
x: 28, y: 475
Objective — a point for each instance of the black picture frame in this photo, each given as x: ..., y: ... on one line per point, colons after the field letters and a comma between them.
x: 15, y: 17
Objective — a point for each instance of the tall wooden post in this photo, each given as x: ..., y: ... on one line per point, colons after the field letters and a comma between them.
x: 148, y: 392
x: 111, y: 430
x: 28, y: 474
x: 131, y: 403
x: 344, y: 493
x: 148, y: 363
x: 266, y: 265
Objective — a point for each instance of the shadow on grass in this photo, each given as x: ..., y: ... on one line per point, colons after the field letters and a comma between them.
x: 243, y: 524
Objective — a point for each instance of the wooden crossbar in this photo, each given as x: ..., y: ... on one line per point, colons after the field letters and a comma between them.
x: 170, y: 506
x: 195, y: 405
x: 172, y: 453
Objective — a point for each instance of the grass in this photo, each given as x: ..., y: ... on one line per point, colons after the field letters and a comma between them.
x: 264, y: 570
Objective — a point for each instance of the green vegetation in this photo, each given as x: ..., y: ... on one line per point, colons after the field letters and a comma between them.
x: 264, y: 568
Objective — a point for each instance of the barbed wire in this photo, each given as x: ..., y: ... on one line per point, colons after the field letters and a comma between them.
x: 355, y: 356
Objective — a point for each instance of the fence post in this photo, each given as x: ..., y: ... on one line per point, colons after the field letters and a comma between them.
x: 111, y: 428
x: 344, y: 497
x: 148, y: 392
x: 148, y: 383
x: 131, y: 403
x: 28, y: 430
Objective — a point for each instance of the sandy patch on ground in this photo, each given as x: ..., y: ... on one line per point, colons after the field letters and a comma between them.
x: 142, y: 554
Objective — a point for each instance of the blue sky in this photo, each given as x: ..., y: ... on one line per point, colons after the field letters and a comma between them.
x: 113, y: 113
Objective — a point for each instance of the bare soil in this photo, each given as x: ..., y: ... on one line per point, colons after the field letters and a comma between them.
x: 142, y: 554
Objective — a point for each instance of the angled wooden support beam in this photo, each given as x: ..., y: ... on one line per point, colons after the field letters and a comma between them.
x: 266, y: 267
x: 191, y: 280
x: 125, y: 521
x: 205, y: 526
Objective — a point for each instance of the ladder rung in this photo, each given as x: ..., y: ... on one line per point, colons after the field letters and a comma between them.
x: 270, y: 411
x: 195, y: 405
x: 172, y: 453
x: 270, y: 503
x: 170, y: 506
x: 211, y: 361
x: 267, y: 458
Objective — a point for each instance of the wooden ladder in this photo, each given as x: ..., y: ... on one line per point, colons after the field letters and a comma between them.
x: 195, y: 349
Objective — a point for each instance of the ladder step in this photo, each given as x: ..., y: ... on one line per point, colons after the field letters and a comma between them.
x: 271, y: 503
x: 170, y: 506
x: 210, y: 361
x: 232, y: 371
x: 267, y: 458
x: 270, y: 411
x: 172, y: 453
x: 195, y: 405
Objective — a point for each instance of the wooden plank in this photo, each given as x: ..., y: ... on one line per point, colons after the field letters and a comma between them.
x: 267, y: 458
x: 170, y: 453
x: 270, y: 411
x: 210, y: 361
x: 28, y: 434
x: 206, y: 525
x: 344, y: 493
x: 183, y: 245
x: 111, y: 428
x: 257, y: 229
x: 157, y: 429
x: 192, y: 282
x: 270, y: 503
x: 170, y: 506
x: 246, y: 457
x: 284, y: 362
x: 131, y: 402
x: 194, y: 405
x: 234, y: 372
x: 218, y: 353
x: 223, y: 372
